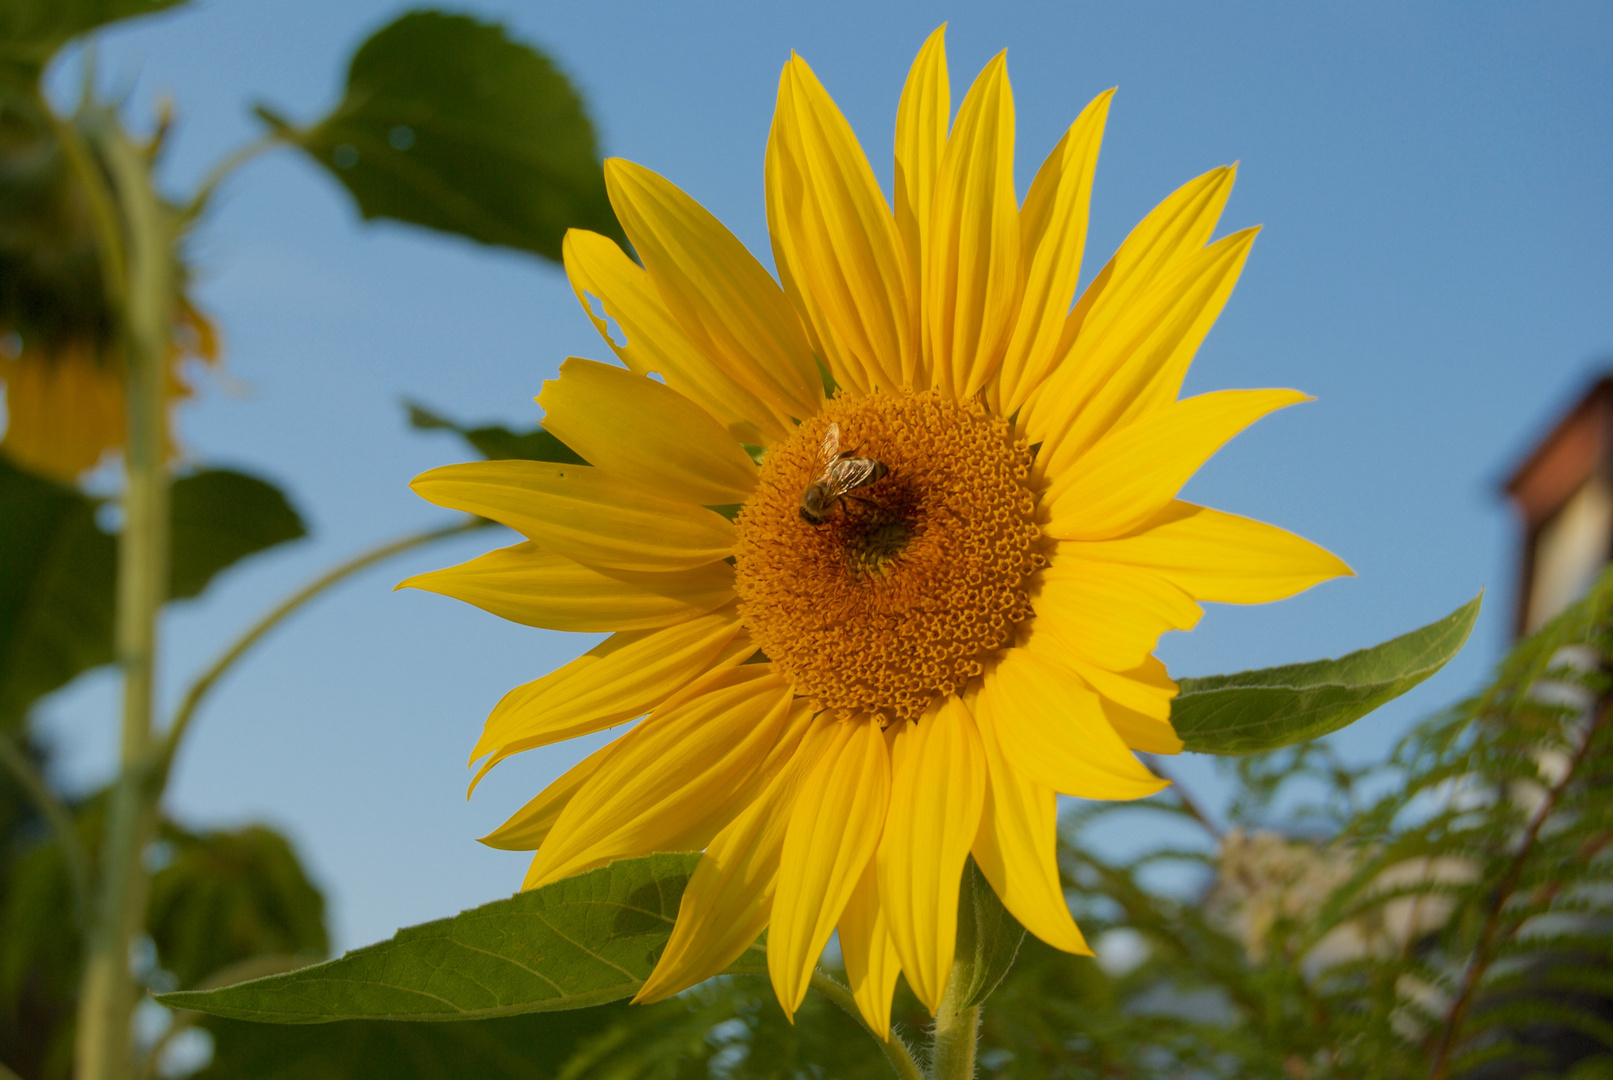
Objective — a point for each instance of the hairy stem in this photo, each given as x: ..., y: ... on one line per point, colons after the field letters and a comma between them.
x: 107, y: 997
x: 57, y: 816
x: 957, y: 1032
x: 894, y: 1049
x: 281, y: 611
x: 1493, y: 934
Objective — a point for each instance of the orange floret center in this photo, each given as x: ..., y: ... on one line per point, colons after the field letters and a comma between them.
x: 911, y: 582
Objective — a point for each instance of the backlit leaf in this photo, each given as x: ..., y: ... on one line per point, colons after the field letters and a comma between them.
x: 1262, y: 710
x: 450, y: 124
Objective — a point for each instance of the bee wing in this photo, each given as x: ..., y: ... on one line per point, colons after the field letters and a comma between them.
x: 829, y: 449
x: 849, y: 474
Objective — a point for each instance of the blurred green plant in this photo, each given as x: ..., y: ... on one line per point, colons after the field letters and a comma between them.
x: 447, y: 123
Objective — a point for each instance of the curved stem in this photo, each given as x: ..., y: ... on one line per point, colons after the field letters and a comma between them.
x: 57, y: 816
x: 225, y: 168
x: 957, y: 1033
x: 103, y: 207
x: 280, y: 612
x: 894, y: 1049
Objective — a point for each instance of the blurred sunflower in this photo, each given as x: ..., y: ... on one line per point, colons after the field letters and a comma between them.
x: 63, y: 372
x: 874, y: 628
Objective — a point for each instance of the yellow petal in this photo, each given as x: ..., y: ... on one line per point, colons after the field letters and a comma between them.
x: 1140, y: 731
x: 833, y: 831
x: 624, y: 677
x: 646, y: 433
x: 1133, y: 473
x: 922, y: 118
x: 1053, y: 232
x: 729, y: 897
x: 527, y: 827
x: 529, y: 585
x: 726, y: 303
x: 834, y: 240
x: 1173, y: 231
x: 1052, y: 729
x: 869, y: 954
x: 654, y: 342
x: 936, y: 797
x: 1146, y: 688
x: 1137, y: 703
x: 1110, y: 613
x: 583, y: 513
x: 1219, y: 557
x: 973, y: 276
x: 678, y: 778
x: 1016, y: 847
x: 64, y: 410
x: 1147, y: 350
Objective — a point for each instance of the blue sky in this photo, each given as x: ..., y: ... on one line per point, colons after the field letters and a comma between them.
x: 1436, y: 267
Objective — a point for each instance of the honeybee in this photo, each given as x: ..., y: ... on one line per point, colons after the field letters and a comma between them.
x: 839, y: 475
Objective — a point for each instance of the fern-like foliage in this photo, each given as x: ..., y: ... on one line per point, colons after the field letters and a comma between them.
x: 1446, y: 913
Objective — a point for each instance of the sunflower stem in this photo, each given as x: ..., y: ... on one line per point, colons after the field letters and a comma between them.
x: 104, y: 1043
x: 957, y: 1032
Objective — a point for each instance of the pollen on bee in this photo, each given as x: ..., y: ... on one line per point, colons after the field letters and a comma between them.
x: 901, y: 593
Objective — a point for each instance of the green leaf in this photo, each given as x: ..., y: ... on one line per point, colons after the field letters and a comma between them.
x: 534, y: 1047
x: 58, y: 569
x: 58, y: 572
x: 988, y: 936
x: 32, y: 30
x: 586, y: 940
x: 225, y: 897
x: 449, y: 124
x: 497, y: 443
x: 1262, y: 710
x: 221, y: 517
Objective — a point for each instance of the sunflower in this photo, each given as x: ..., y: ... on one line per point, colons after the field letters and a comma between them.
x: 65, y: 399
x: 883, y: 547
x: 63, y: 371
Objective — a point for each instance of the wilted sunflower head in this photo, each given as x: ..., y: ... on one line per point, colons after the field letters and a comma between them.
x: 63, y: 372
x: 883, y: 546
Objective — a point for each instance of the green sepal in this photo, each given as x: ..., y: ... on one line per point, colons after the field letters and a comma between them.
x: 988, y: 937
